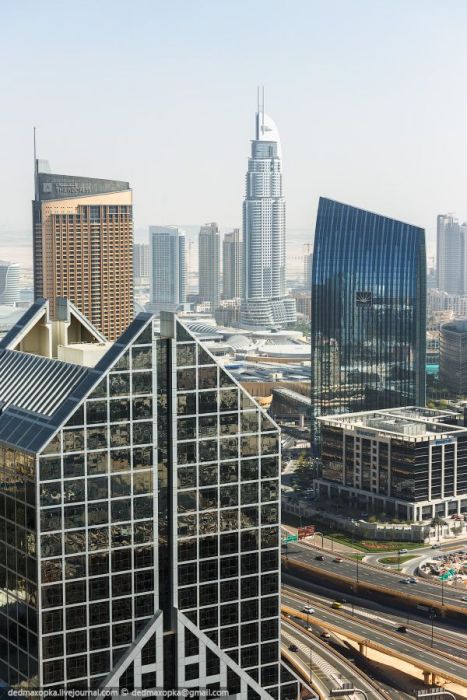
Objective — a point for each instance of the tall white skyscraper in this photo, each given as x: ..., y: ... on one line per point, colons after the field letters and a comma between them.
x: 168, y: 268
x: 232, y: 265
x: 451, y: 253
x: 209, y: 264
x: 9, y: 282
x: 264, y: 292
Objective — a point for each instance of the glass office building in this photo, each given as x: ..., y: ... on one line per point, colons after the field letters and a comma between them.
x: 139, y: 520
x: 368, y: 311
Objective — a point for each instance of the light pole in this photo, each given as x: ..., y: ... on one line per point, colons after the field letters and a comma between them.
x: 357, y: 555
x: 442, y: 591
x: 432, y: 617
x: 322, y: 539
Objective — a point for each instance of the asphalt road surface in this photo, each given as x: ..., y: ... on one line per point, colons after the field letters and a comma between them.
x: 427, y: 658
x: 445, y: 640
x: 325, y: 665
x: 376, y: 575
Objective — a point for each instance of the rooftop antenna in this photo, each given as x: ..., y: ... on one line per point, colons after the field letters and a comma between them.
x: 262, y: 110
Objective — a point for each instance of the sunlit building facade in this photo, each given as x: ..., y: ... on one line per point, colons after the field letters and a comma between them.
x: 83, y: 246
x: 265, y: 301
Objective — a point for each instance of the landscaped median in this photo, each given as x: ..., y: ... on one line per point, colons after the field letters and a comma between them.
x: 372, y: 546
x: 397, y: 560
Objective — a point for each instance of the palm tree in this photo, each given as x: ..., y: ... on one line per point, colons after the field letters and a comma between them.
x: 438, y: 523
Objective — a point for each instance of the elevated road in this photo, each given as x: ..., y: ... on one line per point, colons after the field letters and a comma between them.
x: 369, y: 634
x: 446, y: 641
x: 321, y: 666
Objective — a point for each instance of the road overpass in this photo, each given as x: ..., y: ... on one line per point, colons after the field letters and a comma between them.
x: 433, y: 663
x: 320, y: 666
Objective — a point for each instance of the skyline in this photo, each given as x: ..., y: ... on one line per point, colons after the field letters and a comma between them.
x: 379, y: 130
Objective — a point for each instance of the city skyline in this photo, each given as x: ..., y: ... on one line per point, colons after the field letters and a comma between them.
x: 373, y: 131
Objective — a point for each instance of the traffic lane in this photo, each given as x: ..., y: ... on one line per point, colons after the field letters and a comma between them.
x: 382, y: 577
x: 334, y: 660
x: 311, y: 591
x: 365, y: 632
x: 421, y: 636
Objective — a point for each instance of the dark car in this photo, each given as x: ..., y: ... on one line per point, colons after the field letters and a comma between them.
x: 293, y: 647
x: 319, y: 557
x: 402, y: 628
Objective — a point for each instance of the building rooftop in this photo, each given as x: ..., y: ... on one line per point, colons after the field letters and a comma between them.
x: 412, y: 423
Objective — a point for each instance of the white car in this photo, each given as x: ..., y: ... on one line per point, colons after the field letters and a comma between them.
x: 403, y: 551
x: 434, y: 546
x: 308, y: 609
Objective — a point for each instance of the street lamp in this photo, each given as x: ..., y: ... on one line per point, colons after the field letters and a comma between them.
x: 322, y: 539
x: 357, y: 555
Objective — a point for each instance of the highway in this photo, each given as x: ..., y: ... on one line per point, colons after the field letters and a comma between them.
x: 395, y: 644
x: 328, y: 670
x: 445, y: 640
x: 358, y: 571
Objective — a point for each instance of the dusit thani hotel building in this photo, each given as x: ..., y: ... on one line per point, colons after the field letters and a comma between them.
x: 139, y: 513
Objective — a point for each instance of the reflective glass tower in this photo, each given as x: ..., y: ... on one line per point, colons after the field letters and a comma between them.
x: 142, y: 491
x: 368, y: 311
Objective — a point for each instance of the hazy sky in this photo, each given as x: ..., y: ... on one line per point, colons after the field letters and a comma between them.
x: 369, y: 97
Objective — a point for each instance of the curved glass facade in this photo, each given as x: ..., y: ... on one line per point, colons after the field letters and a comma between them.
x: 368, y: 311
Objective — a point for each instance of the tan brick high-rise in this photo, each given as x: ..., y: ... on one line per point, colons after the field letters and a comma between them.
x: 83, y: 246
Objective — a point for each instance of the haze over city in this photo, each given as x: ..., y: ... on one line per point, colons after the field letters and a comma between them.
x: 368, y: 98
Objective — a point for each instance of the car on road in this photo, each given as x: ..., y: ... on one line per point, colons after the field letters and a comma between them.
x: 464, y: 598
x: 308, y: 609
x: 325, y: 635
x: 336, y: 605
x: 293, y: 647
x: 413, y: 580
x: 404, y: 580
x: 402, y: 628
x: 435, y: 546
x: 337, y: 560
x: 403, y: 551
x: 320, y: 558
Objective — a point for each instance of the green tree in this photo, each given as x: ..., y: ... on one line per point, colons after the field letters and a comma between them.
x: 304, y: 473
x: 437, y: 522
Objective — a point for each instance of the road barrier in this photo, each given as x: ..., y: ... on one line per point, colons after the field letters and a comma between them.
x: 382, y: 593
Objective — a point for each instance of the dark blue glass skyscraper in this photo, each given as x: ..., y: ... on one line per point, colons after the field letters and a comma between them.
x: 368, y: 311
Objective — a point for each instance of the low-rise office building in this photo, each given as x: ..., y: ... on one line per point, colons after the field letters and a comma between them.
x: 408, y: 462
